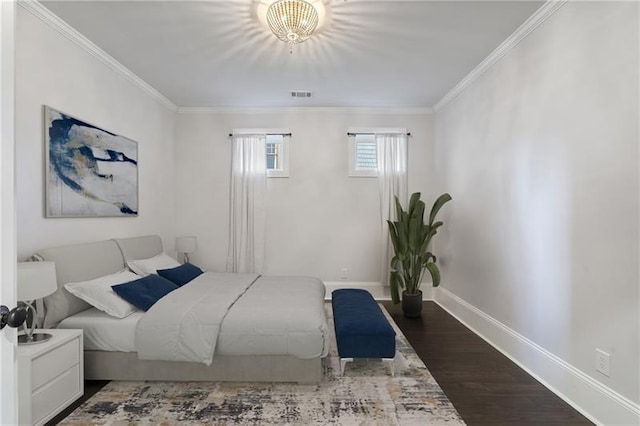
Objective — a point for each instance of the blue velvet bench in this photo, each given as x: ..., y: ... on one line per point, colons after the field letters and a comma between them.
x: 362, y: 330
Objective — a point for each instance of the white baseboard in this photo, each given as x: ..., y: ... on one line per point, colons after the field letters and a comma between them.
x: 377, y: 290
x: 597, y: 402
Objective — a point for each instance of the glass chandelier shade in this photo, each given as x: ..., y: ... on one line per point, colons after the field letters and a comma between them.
x: 292, y: 21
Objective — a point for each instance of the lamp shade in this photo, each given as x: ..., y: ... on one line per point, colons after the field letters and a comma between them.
x: 186, y: 244
x: 36, y: 280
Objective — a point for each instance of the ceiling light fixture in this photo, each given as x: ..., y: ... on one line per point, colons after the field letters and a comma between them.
x: 292, y: 21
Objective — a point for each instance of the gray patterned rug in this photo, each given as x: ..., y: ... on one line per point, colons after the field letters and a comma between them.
x: 365, y: 395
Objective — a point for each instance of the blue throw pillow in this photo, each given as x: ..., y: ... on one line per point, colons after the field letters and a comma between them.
x: 181, y: 274
x: 145, y: 292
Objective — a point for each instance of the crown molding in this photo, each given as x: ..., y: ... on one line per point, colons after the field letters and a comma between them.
x: 534, y: 21
x: 285, y: 110
x: 45, y: 15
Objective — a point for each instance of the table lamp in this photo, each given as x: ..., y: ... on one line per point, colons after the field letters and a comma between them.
x: 186, y: 245
x: 35, y: 280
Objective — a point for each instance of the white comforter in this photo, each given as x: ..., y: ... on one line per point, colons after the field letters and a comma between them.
x: 277, y: 316
x: 259, y: 316
x: 184, y: 324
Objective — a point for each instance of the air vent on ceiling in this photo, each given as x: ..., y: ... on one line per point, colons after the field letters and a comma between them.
x: 300, y: 94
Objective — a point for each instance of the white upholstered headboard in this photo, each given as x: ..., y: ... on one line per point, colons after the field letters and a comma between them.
x: 82, y: 262
x: 140, y: 247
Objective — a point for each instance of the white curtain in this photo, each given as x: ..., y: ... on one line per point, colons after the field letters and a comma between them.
x: 247, y: 209
x: 392, y: 181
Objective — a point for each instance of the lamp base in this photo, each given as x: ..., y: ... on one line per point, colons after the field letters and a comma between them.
x: 23, y: 339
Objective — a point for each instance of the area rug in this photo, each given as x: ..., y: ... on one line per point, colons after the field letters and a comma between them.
x: 366, y: 395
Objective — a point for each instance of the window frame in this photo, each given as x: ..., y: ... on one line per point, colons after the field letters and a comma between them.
x: 353, y: 147
x: 283, y: 172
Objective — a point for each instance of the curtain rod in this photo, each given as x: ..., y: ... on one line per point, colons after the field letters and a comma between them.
x: 267, y: 134
x: 359, y: 133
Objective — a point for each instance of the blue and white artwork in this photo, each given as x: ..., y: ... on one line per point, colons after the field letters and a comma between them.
x: 90, y: 172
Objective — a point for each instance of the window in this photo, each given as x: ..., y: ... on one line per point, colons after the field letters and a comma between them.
x: 363, y: 148
x: 276, y: 149
x: 363, y: 159
x: 274, y: 152
x: 366, y: 156
x: 277, y: 155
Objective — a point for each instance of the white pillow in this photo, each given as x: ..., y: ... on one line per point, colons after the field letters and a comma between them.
x: 145, y: 267
x: 98, y: 293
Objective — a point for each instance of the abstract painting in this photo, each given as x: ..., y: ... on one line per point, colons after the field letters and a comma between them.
x: 90, y: 172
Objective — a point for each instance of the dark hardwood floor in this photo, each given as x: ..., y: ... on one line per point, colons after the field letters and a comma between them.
x: 485, y: 386
x: 91, y: 387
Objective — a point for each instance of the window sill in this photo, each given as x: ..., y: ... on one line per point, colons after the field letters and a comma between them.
x: 363, y: 174
x: 277, y: 174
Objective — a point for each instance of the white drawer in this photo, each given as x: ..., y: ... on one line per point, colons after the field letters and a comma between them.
x: 56, y: 394
x: 49, y: 365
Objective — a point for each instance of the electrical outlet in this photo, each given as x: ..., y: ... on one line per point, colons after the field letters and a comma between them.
x: 602, y: 362
x: 344, y: 273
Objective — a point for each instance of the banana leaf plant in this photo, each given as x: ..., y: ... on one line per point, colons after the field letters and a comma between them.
x: 411, y: 239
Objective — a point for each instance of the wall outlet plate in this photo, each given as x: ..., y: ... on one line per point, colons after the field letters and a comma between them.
x: 344, y: 273
x: 602, y: 362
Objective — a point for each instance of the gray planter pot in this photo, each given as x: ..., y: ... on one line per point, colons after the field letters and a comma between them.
x: 412, y: 304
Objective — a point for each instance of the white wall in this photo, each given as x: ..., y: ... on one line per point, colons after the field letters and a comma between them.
x: 541, y: 157
x: 53, y: 71
x: 318, y: 220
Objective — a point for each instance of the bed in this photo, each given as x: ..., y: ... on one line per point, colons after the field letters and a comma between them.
x: 275, y: 331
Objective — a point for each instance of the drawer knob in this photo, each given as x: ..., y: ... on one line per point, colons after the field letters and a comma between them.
x: 14, y: 317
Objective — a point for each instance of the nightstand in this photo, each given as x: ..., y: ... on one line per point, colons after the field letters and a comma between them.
x: 50, y: 376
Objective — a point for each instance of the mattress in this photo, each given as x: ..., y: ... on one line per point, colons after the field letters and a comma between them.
x: 102, y: 332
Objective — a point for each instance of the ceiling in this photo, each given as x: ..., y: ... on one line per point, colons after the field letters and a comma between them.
x: 367, y: 53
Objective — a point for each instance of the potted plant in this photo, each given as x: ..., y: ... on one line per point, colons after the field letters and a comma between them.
x: 411, y: 239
